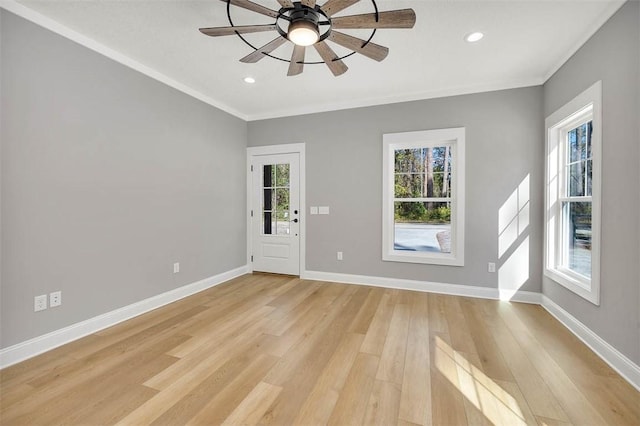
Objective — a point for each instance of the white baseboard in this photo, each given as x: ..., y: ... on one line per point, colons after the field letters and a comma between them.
x: 623, y: 365
x: 425, y: 286
x: 32, y: 347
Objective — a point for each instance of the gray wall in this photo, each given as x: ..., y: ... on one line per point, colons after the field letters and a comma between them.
x: 611, y: 55
x: 344, y: 172
x: 108, y: 177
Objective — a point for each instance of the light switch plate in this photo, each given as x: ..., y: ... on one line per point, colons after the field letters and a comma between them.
x: 314, y: 210
x: 323, y: 209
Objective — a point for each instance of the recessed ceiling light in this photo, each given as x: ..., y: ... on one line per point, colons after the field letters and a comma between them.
x: 249, y: 80
x: 473, y: 37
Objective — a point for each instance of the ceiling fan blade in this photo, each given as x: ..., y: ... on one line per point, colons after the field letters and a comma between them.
x: 224, y: 31
x: 334, y: 6
x: 246, y: 4
x: 297, y: 58
x: 330, y: 58
x: 370, y: 50
x: 308, y: 3
x: 405, y: 18
x: 286, y: 3
x: 267, y: 48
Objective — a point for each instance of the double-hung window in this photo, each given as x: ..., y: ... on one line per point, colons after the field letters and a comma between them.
x: 573, y: 194
x: 423, y: 197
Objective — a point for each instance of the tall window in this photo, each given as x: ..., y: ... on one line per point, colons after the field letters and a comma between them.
x: 573, y: 194
x: 424, y: 197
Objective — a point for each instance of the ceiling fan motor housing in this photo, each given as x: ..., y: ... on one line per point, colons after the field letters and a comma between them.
x: 305, y: 14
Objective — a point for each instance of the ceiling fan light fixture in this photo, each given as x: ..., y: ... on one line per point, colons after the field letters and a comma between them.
x: 303, y: 33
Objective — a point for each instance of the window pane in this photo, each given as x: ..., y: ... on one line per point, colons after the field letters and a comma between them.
x: 282, y: 199
x: 282, y: 175
x: 576, y: 179
x: 409, y: 160
x: 421, y: 172
x: 589, y: 191
x: 577, y: 142
x: 408, y: 185
x: 267, y: 223
x: 577, y: 241
x: 422, y: 226
x: 589, y: 132
x: 269, y: 198
x: 269, y: 175
x: 282, y: 218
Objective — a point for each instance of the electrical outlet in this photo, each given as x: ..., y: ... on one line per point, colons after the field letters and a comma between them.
x: 40, y: 303
x: 339, y: 255
x: 491, y: 267
x: 55, y: 299
x: 176, y: 267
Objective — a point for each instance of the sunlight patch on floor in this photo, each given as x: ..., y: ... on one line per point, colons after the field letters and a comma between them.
x: 496, y: 404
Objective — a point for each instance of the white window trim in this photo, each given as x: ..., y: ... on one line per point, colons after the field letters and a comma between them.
x: 588, y: 101
x: 393, y: 141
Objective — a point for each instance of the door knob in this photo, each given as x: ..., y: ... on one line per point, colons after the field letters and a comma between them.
x: 295, y: 220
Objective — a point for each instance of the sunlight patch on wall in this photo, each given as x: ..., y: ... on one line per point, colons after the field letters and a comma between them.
x: 514, y: 272
x: 513, y: 223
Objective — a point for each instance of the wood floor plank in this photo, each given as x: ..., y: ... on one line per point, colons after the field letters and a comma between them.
x: 322, y: 399
x: 384, y: 404
x: 354, y: 398
x: 363, y: 320
x: 493, y: 363
x: 299, y: 369
x: 377, y: 333
x: 570, y: 397
x: 221, y: 405
x: 253, y: 407
x: 415, y: 400
x: 391, y: 367
x: 447, y: 401
x: 533, y: 386
x: 273, y: 350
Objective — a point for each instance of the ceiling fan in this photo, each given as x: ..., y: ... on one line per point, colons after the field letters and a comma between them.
x: 304, y: 23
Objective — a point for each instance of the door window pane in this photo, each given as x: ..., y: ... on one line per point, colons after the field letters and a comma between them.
x: 275, y: 199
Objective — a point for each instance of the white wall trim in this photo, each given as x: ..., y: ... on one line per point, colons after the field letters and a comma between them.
x: 423, y: 286
x: 56, y: 27
x: 620, y: 363
x: 32, y: 347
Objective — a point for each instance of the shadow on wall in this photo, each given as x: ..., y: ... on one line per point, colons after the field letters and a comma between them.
x: 513, y: 241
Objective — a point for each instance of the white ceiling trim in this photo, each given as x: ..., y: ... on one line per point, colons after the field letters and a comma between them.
x: 418, y: 96
x: 89, y: 43
x: 604, y: 17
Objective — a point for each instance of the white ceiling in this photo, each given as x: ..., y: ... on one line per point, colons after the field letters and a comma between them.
x: 525, y: 42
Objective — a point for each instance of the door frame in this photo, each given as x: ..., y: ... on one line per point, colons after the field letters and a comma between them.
x: 292, y: 148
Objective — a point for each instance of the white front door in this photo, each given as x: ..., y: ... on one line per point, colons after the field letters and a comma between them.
x: 275, y: 213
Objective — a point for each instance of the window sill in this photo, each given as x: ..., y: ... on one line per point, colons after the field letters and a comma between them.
x: 582, y: 287
x: 418, y: 257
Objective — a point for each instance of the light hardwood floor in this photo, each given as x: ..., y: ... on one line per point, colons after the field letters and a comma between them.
x: 274, y: 350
